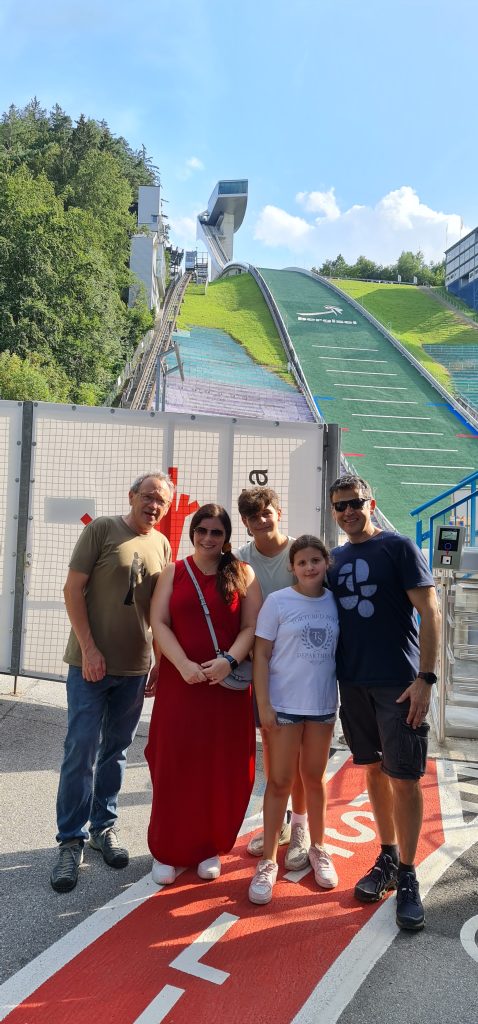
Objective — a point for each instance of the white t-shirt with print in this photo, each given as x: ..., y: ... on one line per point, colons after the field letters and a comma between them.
x: 304, y: 630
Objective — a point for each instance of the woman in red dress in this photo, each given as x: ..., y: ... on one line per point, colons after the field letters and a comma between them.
x: 201, y: 742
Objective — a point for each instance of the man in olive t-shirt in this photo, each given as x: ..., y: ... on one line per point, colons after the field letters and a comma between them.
x: 113, y: 572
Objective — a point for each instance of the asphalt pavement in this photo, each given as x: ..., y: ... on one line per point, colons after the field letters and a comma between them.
x: 428, y: 977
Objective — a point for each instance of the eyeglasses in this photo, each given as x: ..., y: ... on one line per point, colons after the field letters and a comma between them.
x: 151, y: 499
x: 355, y: 503
x: 203, y: 532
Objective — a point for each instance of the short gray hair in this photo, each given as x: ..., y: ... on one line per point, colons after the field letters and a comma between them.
x: 350, y: 482
x: 158, y: 475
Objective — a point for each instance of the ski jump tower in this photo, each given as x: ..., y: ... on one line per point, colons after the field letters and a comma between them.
x: 224, y: 215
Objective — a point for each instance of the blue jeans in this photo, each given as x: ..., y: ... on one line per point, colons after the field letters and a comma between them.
x: 102, y: 721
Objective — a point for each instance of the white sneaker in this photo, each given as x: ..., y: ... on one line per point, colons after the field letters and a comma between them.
x: 297, y: 855
x: 260, y: 889
x: 324, y: 871
x: 163, y: 874
x: 210, y: 868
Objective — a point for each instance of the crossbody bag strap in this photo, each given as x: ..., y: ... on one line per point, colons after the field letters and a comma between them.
x: 204, y: 606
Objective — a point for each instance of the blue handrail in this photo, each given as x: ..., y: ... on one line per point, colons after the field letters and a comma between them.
x: 468, y: 503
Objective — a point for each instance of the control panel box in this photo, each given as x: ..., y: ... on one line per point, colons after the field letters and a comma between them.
x: 448, y: 547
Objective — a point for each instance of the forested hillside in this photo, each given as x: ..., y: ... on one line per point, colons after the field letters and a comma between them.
x: 66, y: 192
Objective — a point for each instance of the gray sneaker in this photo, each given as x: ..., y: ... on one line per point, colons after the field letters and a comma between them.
x: 297, y: 855
x: 65, y: 872
x: 256, y: 844
x: 107, y: 843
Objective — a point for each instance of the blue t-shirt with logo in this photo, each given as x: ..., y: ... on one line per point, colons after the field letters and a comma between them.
x: 378, y: 641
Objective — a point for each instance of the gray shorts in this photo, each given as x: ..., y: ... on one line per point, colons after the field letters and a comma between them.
x: 285, y: 718
x: 376, y: 730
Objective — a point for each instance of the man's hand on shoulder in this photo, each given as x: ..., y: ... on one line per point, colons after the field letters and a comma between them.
x: 93, y: 665
x: 419, y: 695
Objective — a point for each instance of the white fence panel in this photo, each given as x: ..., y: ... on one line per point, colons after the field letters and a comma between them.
x: 85, y: 460
x: 10, y: 456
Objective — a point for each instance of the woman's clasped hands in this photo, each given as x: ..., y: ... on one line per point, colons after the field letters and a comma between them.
x: 216, y: 670
x: 212, y: 672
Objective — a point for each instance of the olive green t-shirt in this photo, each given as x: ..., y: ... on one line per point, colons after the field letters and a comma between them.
x: 123, y: 568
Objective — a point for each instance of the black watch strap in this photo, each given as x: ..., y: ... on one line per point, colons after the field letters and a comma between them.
x: 429, y: 677
x: 232, y: 661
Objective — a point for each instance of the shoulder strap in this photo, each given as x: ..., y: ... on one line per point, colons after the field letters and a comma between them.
x: 203, y: 606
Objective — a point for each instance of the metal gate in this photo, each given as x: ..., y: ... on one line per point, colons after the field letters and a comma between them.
x: 64, y: 465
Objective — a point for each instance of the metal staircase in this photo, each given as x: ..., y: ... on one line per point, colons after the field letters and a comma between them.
x: 455, y: 706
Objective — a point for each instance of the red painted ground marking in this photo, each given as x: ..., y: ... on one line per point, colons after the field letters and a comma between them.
x: 471, y: 437
x: 86, y: 518
x: 356, y: 455
x: 275, y: 955
x: 345, y: 428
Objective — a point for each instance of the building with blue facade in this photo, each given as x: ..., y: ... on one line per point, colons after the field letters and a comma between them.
x: 461, y: 269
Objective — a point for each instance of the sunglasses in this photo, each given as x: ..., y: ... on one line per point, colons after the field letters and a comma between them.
x: 203, y: 532
x: 355, y: 503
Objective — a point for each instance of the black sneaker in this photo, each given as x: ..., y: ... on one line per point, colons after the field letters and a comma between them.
x: 410, y: 913
x: 378, y: 881
x: 65, y: 873
x: 107, y: 843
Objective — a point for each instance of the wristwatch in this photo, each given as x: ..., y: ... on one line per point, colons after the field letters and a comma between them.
x: 429, y: 677
x: 232, y: 661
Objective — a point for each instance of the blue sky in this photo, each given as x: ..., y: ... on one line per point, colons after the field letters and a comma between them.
x: 353, y: 120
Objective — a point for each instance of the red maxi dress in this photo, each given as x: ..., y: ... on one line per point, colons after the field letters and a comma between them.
x: 201, y: 746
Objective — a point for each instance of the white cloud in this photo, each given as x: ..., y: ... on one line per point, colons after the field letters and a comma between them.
x: 183, y: 231
x: 399, y: 220
x: 320, y: 202
x: 192, y: 164
x: 276, y: 227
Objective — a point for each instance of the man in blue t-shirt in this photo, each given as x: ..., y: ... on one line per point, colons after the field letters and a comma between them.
x: 385, y: 667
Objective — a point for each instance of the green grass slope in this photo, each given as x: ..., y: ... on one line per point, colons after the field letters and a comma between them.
x: 398, y: 431
x: 415, y: 318
x: 236, y: 305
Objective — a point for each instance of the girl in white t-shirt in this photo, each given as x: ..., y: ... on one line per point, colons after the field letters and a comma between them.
x: 296, y: 690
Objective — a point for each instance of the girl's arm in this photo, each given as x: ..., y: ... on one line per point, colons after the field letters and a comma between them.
x: 262, y: 656
x: 163, y: 635
x: 218, y: 668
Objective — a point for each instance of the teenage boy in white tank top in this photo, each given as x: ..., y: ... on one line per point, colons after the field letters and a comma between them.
x: 268, y: 554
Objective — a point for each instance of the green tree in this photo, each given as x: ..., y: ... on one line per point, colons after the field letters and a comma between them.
x: 66, y: 193
x: 364, y: 268
x: 99, y: 186
x: 21, y: 381
x: 410, y: 265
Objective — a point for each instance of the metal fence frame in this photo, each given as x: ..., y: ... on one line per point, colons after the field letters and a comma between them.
x: 59, y: 460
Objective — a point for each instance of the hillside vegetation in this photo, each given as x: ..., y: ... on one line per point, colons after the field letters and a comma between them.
x: 236, y: 305
x: 66, y: 192
x: 415, y: 318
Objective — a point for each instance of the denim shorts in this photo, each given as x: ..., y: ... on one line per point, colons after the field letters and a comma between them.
x: 375, y: 728
x: 285, y: 718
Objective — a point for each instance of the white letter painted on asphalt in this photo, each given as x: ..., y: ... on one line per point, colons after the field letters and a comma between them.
x: 189, y: 960
x: 160, y: 1006
x: 365, y: 835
